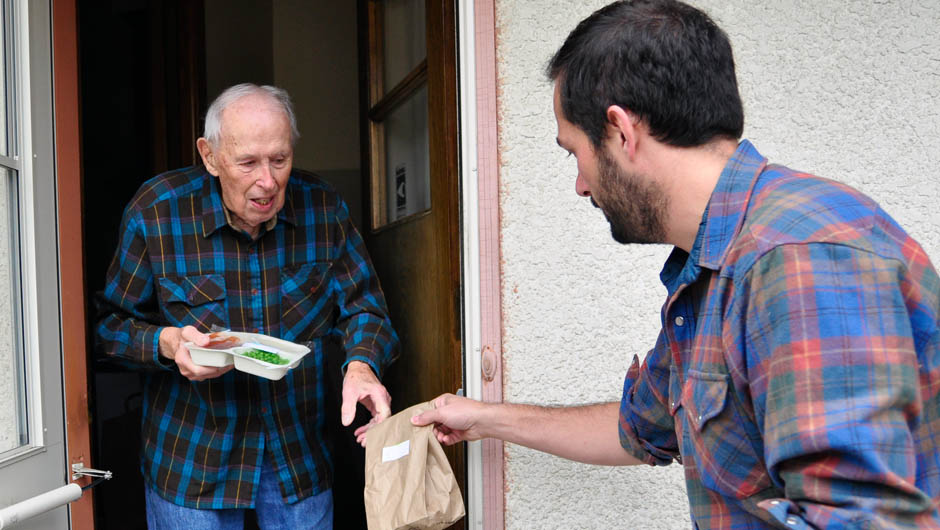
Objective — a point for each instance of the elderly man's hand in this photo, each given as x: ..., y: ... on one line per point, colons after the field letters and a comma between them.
x: 362, y: 386
x: 171, y: 347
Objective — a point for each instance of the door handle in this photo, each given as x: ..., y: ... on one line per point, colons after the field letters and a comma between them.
x: 53, y: 499
x: 42, y: 503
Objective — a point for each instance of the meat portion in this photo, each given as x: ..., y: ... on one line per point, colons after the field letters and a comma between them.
x: 220, y: 341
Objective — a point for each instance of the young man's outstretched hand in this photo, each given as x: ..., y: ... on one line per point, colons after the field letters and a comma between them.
x: 584, y: 433
x: 455, y: 419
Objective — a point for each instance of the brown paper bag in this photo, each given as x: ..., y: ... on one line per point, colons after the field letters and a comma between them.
x: 409, y: 483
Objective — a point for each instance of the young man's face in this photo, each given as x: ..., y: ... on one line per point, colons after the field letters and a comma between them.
x: 634, y: 204
x: 576, y: 142
x: 253, y: 161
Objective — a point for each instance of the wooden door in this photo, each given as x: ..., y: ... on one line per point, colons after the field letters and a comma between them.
x: 413, y: 231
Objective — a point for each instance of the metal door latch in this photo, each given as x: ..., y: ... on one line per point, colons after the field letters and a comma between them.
x: 79, y: 470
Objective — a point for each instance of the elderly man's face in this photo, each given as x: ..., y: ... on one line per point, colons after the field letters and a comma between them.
x: 253, y: 160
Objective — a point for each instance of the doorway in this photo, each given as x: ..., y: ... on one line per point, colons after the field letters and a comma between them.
x: 149, y: 68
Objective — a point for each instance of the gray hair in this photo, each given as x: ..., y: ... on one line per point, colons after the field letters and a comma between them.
x: 213, y: 128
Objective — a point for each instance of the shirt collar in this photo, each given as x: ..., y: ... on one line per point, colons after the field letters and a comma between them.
x: 721, y: 221
x: 215, y: 215
x: 728, y: 203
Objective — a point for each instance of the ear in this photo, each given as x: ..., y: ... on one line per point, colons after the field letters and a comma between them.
x: 208, y: 157
x: 622, y: 127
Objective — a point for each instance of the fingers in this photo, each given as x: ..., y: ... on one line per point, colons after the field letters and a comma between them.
x: 376, y: 399
x: 382, y: 403
x: 448, y: 438
x: 215, y: 372
x: 203, y: 372
x: 362, y: 430
x: 360, y: 385
x: 172, y: 338
x: 442, y: 432
x: 191, y: 334
x: 427, y: 417
x: 434, y: 415
x: 348, y: 409
x: 193, y: 371
x: 442, y: 400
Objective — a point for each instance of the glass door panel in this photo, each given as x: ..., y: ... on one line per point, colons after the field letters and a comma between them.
x: 7, y: 63
x: 398, y: 111
x: 13, y: 432
x: 403, y: 43
x: 406, y: 157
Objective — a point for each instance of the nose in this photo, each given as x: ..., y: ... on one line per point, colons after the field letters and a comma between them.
x: 581, y: 186
x: 265, y: 177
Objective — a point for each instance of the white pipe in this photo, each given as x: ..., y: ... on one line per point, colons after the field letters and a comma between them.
x: 34, y: 506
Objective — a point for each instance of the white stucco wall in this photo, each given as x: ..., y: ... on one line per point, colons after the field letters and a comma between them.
x: 848, y: 90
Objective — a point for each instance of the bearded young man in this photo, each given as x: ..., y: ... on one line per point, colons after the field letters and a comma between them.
x: 796, y: 377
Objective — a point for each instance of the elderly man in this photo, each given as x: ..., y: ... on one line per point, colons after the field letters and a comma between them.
x: 796, y: 377
x: 248, y: 243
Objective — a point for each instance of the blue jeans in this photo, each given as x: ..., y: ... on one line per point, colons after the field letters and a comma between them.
x: 272, y: 513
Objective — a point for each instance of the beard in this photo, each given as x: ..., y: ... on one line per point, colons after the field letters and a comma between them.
x: 634, y: 206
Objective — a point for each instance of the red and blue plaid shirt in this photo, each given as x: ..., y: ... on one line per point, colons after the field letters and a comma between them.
x: 797, y: 373
x: 306, y: 279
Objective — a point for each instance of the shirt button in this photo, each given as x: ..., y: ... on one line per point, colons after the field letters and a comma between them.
x: 254, y: 292
x: 680, y: 321
x: 264, y: 410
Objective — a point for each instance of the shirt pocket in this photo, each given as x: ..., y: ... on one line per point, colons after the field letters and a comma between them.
x: 306, y: 301
x: 724, y: 450
x: 197, y: 301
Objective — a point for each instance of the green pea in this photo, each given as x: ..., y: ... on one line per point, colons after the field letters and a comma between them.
x: 265, y: 356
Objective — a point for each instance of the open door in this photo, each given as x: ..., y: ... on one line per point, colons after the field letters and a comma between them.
x: 410, y: 163
x: 142, y: 98
x: 33, y: 457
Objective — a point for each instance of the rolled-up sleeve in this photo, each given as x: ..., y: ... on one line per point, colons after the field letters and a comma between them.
x: 647, y: 429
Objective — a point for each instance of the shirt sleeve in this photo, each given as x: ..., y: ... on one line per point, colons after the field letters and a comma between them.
x: 126, y: 307
x: 363, y: 323
x: 647, y: 429
x: 834, y: 377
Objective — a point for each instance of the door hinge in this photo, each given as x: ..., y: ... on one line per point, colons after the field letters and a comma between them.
x: 79, y: 470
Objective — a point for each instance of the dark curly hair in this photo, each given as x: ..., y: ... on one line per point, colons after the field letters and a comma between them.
x: 664, y: 60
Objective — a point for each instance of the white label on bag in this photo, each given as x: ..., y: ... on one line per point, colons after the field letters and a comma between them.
x: 394, y: 452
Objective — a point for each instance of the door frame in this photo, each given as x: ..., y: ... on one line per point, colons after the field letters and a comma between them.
x: 73, y: 297
x: 481, y: 270
x: 479, y: 175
